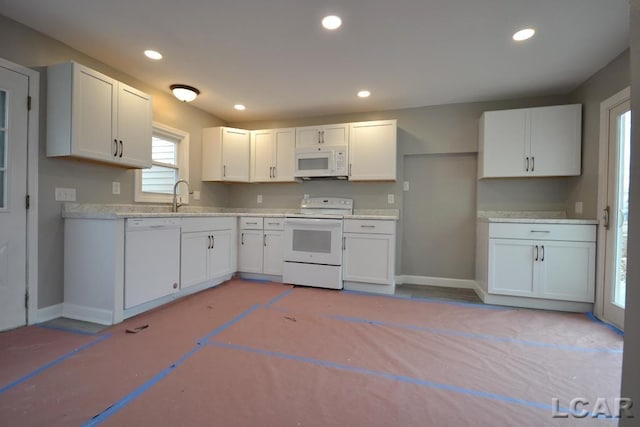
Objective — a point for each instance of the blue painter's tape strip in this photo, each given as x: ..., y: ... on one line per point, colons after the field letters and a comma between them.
x: 609, y: 325
x: 432, y: 300
x: 104, y: 415
x: 72, y: 331
x: 278, y: 298
x: 54, y: 363
x: 478, y: 336
x: 390, y: 376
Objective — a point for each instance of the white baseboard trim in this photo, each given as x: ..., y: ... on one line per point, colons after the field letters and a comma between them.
x: 87, y: 314
x: 48, y: 313
x: 436, y: 281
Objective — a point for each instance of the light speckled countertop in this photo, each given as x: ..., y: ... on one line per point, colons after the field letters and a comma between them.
x: 532, y: 217
x: 103, y: 211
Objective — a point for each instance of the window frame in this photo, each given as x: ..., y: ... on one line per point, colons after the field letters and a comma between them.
x: 183, y: 167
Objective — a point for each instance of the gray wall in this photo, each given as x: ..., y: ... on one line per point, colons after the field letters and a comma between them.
x: 92, y: 181
x: 606, y: 82
x: 630, y: 371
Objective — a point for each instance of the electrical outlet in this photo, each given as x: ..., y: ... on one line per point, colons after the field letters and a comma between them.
x: 65, y: 194
x: 115, y: 187
x: 196, y: 195
x: 259, y: 198
x: 405, y: 186
x: 578, y: 208
x: 391, y: 199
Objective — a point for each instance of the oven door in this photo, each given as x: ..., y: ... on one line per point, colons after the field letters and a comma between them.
x: 315, y: 163
x: 313, y: 241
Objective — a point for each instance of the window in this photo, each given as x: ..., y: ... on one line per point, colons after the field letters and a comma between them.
x: 170, y: 162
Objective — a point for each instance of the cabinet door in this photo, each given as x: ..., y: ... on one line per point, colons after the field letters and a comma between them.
x: 285, y: 154
x: 555, y: 140
x: 250, y: 251
x: 194, y: 259
x: 503, y: 143
x: 369, y: 258
x: 372, y: 151
x: 134, y: 127
x: 273, y: 252
x: 262, y: 149
x: 567, y: 270
x: 152, y: 265
x: 307, y: 136
x: 235, y: 155
x: 221, y: 259
x: 94, y: 115
x: 335, y: 134
x: 511, y: 267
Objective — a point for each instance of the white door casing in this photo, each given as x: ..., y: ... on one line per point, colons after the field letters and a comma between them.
x: 18, y: 163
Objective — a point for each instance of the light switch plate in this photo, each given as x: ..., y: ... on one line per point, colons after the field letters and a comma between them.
x: 115, y: 187
x: 65, y: 194
x: 259, y: 198
x: 578, y: 207
x: 391, y: 199
x: 405, y: 186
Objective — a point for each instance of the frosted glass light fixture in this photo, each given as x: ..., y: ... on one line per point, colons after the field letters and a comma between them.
x: 524, y: 34
x: 184, y: 93
x: 331, y: 22
x: 364, y: 94
x: 153, y: 54
x: 240, y: 107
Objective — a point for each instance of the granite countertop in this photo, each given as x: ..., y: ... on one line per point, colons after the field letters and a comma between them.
x: 105, y: 211
x: 532, y: 217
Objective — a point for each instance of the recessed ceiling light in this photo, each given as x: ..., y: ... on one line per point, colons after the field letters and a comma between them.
x: 152, y: 54
x: 331, y: 22
x: 525, y: 34
x: 239, y: 107
x: 364, y: 94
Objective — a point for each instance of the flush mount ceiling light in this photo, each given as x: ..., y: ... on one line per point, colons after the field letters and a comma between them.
x: 331, y: 22
x: 239, y: 107
x: 184, y: 93
x: 524, y: 34
x: 364, y: 94
x: 153, y: 54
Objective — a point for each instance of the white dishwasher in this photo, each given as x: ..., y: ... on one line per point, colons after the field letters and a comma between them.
x: 152, y: 259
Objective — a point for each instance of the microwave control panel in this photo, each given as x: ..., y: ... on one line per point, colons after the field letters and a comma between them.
x: 341, y: 162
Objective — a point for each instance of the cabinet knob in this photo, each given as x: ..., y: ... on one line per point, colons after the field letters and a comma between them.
x: 175, y: 286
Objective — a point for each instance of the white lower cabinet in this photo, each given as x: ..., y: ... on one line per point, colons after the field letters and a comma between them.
x: 208, y: 245
x: 260, y: 247
x: 534, y: 260
x: 369, y: 255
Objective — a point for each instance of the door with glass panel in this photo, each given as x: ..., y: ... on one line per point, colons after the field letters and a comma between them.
x: 615, y: 213
x: 14, y: 90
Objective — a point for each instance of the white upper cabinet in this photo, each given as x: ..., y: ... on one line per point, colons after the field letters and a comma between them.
x: 92, y: 116
x: 225, y: 154
x: 372, y: 151
x: 273, y: 155
x: 327, y: 135
x: 530, y: 142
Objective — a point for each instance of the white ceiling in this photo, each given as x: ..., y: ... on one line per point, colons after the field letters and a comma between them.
x: 273, y: 55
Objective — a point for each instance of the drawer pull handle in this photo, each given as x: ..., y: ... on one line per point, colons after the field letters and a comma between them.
x: 536, y: 258
x: 273, y: 223
x: 540, y: 231
x: 527, y: 170
x: 367, y: 226
x: 542, y: 258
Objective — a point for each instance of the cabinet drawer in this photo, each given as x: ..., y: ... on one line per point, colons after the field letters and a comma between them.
x: 274, y: 223
x: 537, y: 231
x: 251, y: 223
x: 208, y: 224
x: 369, y: 226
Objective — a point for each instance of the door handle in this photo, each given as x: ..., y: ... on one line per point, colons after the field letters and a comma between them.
x: 536, y: 258
x: 224, y: 170
x: 344, y: 243
x: 213, y: 241
x: 115, y: 144
x: 349, y: 169
x: 121, y: 149
x: 264, y: 240
x: 209, y: 245
x: 274, y: 172
x: 533, y: 163
x: 527, y: 169
x: 605, y: 217
x: 542, y: 259
x: 242, y: 239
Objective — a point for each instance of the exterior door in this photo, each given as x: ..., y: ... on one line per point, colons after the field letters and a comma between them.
x: 615, y: 212
x: 14, y: 92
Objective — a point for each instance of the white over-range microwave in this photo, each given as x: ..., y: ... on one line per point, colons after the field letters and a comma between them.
x: 322, y: 162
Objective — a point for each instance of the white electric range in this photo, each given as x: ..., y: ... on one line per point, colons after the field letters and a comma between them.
x: 313, y: 242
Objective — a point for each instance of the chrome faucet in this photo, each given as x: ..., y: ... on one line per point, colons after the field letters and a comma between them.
x: 175, y: 205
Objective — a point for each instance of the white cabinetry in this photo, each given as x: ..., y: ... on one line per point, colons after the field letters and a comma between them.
x: 225, y: 154
x: 312, y: 136
x: 92, y: 116
x: 208, y: 251
x: 273, y: 155
x: 372, y: 151
x: 530, y: 142
x: 369, y: 255
x: 260, y: 250
x: 538, y: 260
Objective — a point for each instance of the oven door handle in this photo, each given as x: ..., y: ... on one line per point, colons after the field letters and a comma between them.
x: 314, y: 222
